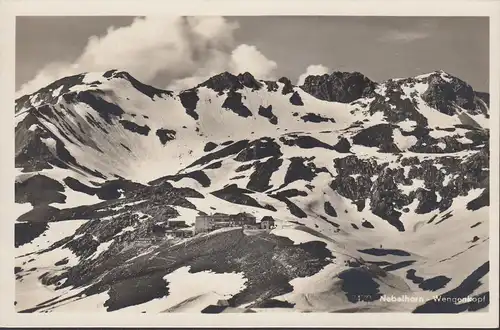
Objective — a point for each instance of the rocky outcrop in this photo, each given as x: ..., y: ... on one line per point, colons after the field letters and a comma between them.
x: 258, y: 149
x: 377, y: 136
x: 233, y: 102
x: 222, y: 82
x: 259, y: 179
x: 165, y: 135
x: 443, y: 93
x: 288, y: 86
x: 133, y: 127
x: 267, y: 112
x: 189, y: 100
x: 344, y: 87
x: 395, y: 106
x: 226, y: 81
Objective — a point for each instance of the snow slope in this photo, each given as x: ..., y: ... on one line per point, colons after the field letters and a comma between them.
x: 388, y: 188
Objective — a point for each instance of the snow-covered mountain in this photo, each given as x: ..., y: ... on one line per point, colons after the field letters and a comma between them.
x: 377, y: 189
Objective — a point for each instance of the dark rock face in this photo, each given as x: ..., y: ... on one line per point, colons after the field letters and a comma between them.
x: 105, y: 109
x: 304, y: 141
x: 273, y: 303
x: 199, y: 176
x: 233, y: 194
x: 107, y: 191
x: 244, y: 167
x: 399, y: 265
x: 248, y: 80
x: 189, y: 100
x: 76, y: 185
x: 481, y: 201
x: 61, y: 262
x: 343, y: 146
x: 232, y: 149
x: 428, y: 144
x: 395, y: 105
x: 165, y: 135
x: 288, y: 88
x: 435, y: 283
x: 377, y: 136
x: 259, y: 179
x: 359, y: 282
x: 291, y: 193
x: 272, y: 86
x: 315, y: 118
x: 136, y: 291
x: 28, y: 143
x: 214, y: 165
x: 384, y: 196
x: 292, y: 207
x: 442, y: 95
x: 330, y: 210
x: 93, y: 122
x: 295, y: 99
x: 209, y: 146
x: 427, y: 201
x: 449, y: 301
x: 217, y: 254
x: 233, y: 103
x: 344, y: 87
x: 384, y: 252
x: 267, y: 112
x: 148, y: 90
x: 133, y: 127
x: 45, y: 94
x: 39, y: 190
x: 41, y: 213
x: 367, y: 224
x: 258, y: 149
x: 485, y: 97
x: 158, y: 195
x: 410, y: 274
x: 228, y: 82
x: 386, y: 199
x: 301, y: 169
x: 470, y: 174
x: 222, y: 82
x: 26, y: 232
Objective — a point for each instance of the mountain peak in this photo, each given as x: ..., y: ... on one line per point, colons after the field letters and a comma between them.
x: 222, y: 81
x: 228, y: 81
x: 446, y: 91
x: 80, y: 82
x: 248, y: 80
x: 148, y: 90
x: 344, y: 87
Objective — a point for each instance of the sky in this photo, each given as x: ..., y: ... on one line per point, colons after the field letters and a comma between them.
x: 178, y: 52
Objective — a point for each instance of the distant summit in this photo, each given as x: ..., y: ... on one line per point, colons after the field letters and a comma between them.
x: 343, y: 87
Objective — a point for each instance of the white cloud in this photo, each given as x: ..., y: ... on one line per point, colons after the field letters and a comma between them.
x: 248, y: 58
x: 316, y: 69
x: 243, y: 58
x: 179, y: 49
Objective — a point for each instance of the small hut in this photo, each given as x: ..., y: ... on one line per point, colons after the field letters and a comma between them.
x: 267, y: 222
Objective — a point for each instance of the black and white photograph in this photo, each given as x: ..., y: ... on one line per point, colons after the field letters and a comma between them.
x: 264, y: 164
